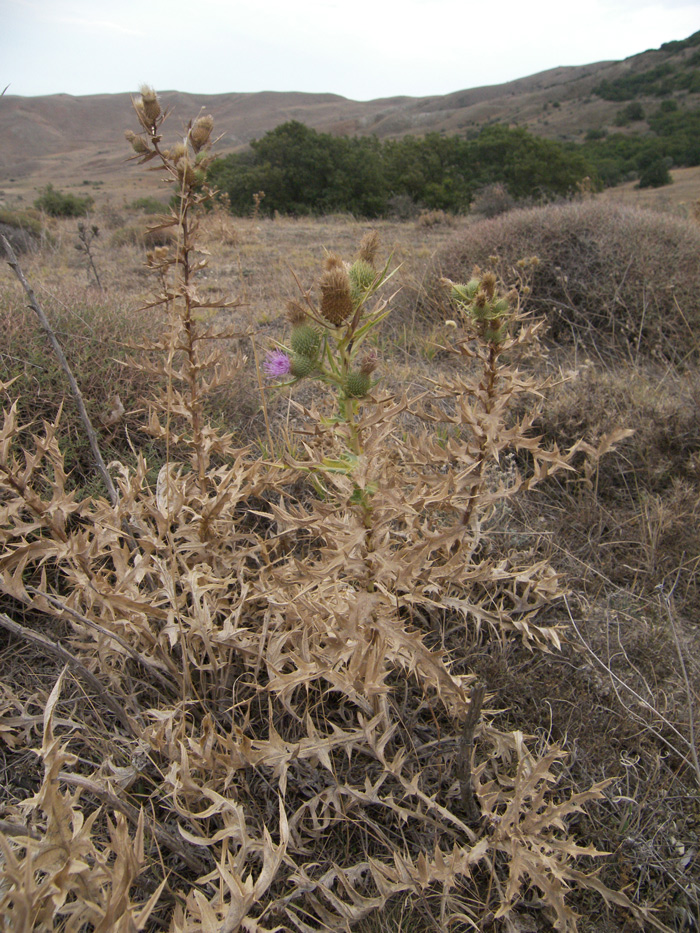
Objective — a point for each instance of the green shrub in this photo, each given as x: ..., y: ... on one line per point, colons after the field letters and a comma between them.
x: 632, y: 113
x: 57, y: 204
x: 22, y: 220
x: 305, y: 172
x: 149, y: 205
x: 654, y: 173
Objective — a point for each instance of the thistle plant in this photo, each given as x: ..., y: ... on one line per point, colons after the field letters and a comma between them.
x: 280, y: 730
x: 86, y: 238
x: 328, y: 335
x: 182, y: 360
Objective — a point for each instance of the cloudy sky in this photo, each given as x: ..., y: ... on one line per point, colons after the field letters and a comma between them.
x: 361, y: 49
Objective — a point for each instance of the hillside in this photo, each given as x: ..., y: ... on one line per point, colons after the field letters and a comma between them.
x: 77, y: 140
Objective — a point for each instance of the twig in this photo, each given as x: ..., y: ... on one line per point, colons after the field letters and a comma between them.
x: 60, y: 652
x: 133, y: 814
x: 466, y: 744
x: 16, y: 829
x: 640, y: 699
x: 686, y: 680
x: 77, y: 394
x: 136, y: 655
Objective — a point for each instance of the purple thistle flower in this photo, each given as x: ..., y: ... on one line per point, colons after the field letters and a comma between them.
x: 277, y: 364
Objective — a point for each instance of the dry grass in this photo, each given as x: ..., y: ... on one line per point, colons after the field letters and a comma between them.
x: 244, y: 697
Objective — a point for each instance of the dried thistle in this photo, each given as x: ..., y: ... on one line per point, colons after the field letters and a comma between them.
x: 369, y: 247
x: 200, y: 134
x: 336, y: 296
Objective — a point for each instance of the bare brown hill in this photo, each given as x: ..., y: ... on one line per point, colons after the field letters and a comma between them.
x: 78, y: 140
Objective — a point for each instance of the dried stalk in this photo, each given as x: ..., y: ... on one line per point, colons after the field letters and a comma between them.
x: 466, y: 745
x: 686, y: 682
x: 165, y: 838
x: 60, y: 652
x: 136, y: 655
x: 77, y: 394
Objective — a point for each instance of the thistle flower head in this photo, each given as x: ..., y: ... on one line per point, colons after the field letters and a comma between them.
x: 488, y: 283
x: 369, y: 362
x: 201, y: 131
x: 148, y: 106
x: 333, y: 261
x: 336, y: 295
x: 296, y: 313
x: 138, y: 143
x: 369, y: 247
x: 277, y: 364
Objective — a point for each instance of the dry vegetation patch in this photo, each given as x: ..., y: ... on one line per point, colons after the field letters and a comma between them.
x: 346, y: 648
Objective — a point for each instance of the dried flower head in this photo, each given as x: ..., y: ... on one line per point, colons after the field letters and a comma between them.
x: 138, y: 143
x: 369, y: 362
x: 201, y: 132
x: 369, y: 247
x: 150, y: 104
x: 333, y: 261
x: 296, y: 313
x: 488, y: 283
x: 336, y: 294
x: 177, y: 152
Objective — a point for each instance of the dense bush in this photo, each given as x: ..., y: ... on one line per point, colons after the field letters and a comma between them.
x: 630, y: 114
x: 609, y: 276
x: 57, y: 204
x: 23, y: 229
x: 305, y: 172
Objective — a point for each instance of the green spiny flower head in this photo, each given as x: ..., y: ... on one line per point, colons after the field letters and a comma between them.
x: 479, y: 301
x: 362, y: 276
x: 302, y: 366
x: 357, y: 384
x: 306, y: 337
x: 495, y: 334
x: 306, y: 340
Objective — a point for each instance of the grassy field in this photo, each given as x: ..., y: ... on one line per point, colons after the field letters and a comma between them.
x: 398, y: 660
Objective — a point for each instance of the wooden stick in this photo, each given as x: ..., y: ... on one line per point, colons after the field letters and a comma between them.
x: 77, y: 394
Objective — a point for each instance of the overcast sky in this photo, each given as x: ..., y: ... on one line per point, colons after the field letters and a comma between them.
x: 361, y: 49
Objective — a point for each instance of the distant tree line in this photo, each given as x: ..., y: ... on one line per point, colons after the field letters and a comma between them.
x: 302, y: 171
x: 662, y: 79
x: 674, y: 140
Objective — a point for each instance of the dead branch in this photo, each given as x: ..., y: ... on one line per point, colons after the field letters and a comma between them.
x: 83, y: 673
x: 75, y: 390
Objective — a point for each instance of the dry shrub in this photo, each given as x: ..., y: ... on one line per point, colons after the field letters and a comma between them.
x: 637, y: 520
x: 142, y: 235
x: 492, y: 200
x: 270, y: 721
x: 610, y: 277
x: 435, y: 218
x: 96, y: 333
